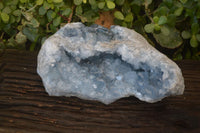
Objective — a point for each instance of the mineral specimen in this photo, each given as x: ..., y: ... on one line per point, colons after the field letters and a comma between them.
x: 102, y: 64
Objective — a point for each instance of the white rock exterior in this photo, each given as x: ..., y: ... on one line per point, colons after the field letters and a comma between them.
x: 102, y: 64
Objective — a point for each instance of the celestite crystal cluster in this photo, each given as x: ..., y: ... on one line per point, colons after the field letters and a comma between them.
x: 102, y: 64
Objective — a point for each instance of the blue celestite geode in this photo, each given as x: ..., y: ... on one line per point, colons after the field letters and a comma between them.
x: 102, y: 64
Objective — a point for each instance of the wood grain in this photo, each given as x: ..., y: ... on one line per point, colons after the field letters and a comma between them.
x: 25, y: 107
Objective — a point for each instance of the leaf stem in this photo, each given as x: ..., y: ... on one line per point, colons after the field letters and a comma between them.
x: 47, y: 25
x: 31, y: 8
x: 147, y: 12
x: 70, y: 16
x: 2, y: 35
x: 65, y: 18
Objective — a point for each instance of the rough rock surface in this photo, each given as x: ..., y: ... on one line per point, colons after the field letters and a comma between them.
x: 102, y: 64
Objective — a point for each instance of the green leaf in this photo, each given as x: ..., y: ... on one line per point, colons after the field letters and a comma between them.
x: 57, y: 1
x: 67, y: 12
x: 53, y: 15
x: 195, y: 28
x: 53, y: 28
x: 157, y: 27
x: 53, y: 7
x: 20, y: 38
x: 137, y: 2
x: 147, y: 2
x: 173, y: 40
x: 84, y: 1
x: 183, y: 1
x: 189, y: 12
x: 198, y: 13
x: 186, y: 34
x: 119, y: 15
x: 92, y: 2
x: 110, y: 4
x: 7, y: 10
x: 50, y: 15
x: 94, y: 7
x: 89, y: 16
x: 13, y: 7
x: 198, y: 37
x: 17, y: 13
x: 57, y: 21
x: 43, y: 21
x: 5, y: 17
x: 46, y: 5
x: 126, y: 8
x: 165, y: 30
x: 18, y: 19
x: 78, y: 2
x: 8, y: 29
x: 31, y: 33
x: 28, y: 16
x: 178, y: 4
x: 23, y: 1
x: 155, y: 19
x: 178, y: 11
x: 129, y: 17
x: 149, y: 28
x: 42, y: 10
x: 162, y: 20
x: 124, y: 24
x: 79, y: 10
x: 43, y: 40
x: 39, y: 2
x: 20, y: 27
x: 35, y: 23
x: 136, y: 9
x: 178, y: 57
x: 1, y: 5
x: 32, y: 47
x: 171, y: 20
x: 12, y: 19
x: 162, y: 11
x: 11, y: 2
x: 49, y: 1
x: 101, y: 5
x: 120, y: 2
x: 193, y: 41
x: 11, y: 42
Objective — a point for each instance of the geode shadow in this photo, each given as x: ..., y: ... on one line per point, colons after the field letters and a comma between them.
x: 99, y: 64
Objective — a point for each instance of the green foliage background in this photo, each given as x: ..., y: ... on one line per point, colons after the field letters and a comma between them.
x: 172, y: 24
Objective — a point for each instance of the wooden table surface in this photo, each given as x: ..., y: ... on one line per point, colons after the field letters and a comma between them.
x: 25, y: 107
